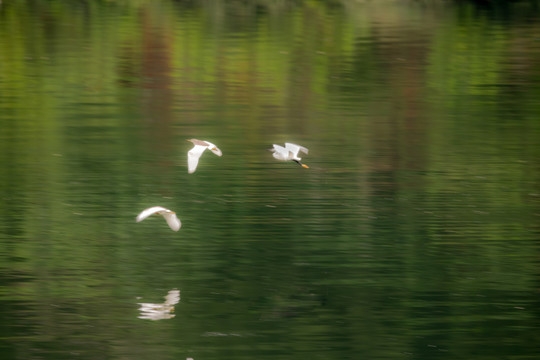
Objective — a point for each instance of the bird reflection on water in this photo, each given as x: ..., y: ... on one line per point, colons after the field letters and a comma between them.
x: 151, y: 311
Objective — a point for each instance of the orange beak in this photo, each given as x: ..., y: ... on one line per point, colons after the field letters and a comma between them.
x: 304, y: 165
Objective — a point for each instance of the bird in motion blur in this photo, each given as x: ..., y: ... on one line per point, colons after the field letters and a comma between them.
x: 289, y: 152
x: 170, y: 216
x: 195, y: 153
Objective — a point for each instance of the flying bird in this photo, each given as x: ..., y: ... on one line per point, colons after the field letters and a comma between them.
x: 170, y: 216
x: 195, y: 153
x: 289, y: 152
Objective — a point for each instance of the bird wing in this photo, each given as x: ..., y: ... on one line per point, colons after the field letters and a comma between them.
x: 199, y: 142
x: 150, y: 211
x: 280, y: 152
x: 193, y: 157
x: 295, y: 148
x: 173, y: 221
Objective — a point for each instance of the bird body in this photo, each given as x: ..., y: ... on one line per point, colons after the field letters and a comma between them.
x: 170, y: 216
x: 195, y: 153
x: 289, y: 152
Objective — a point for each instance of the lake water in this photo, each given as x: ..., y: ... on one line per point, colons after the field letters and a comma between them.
x: 413, y: 234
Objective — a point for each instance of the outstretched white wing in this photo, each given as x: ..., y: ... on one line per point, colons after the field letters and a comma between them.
x: 193, y: 157
x: 170, y: 216
x: 150, y: 211
x: 172, y: 220
x: 295, y: 148
x: 280, y: 152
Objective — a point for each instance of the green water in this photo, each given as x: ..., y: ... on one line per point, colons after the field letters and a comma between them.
x: 414, y: 234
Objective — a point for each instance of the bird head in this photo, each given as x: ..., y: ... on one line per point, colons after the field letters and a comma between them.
x: 215, y: 150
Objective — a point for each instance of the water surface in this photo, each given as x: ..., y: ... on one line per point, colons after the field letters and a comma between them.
x: 413, y: 235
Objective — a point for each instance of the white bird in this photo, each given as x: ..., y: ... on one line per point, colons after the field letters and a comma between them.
x: 289, y: 152
x: 195, y: 153
x: 170, y: 216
